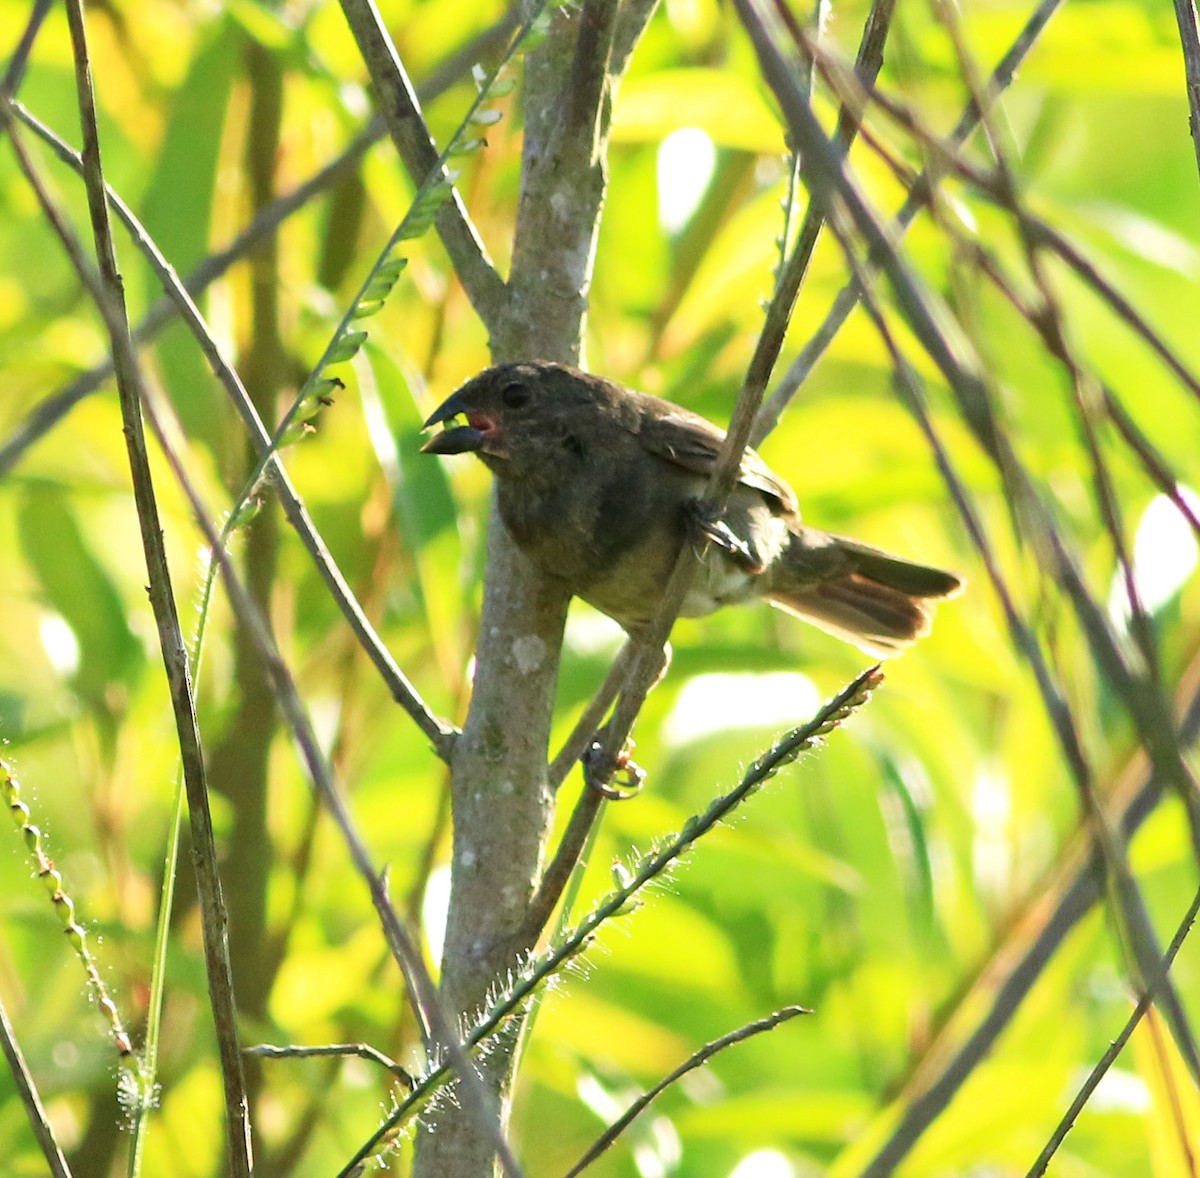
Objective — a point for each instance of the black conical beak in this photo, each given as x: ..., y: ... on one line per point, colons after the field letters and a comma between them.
x: 460, y: 439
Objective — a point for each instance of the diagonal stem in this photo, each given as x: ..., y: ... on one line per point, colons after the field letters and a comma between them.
x: 641, y: 663
x: 107, y: 292
x: 440, y: 733
x: 27, y: 1091
x: 264, y: 224
x: 401, y: 111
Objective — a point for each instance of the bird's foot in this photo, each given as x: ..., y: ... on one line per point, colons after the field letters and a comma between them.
x: 616, y: 778
x: 707, y: 526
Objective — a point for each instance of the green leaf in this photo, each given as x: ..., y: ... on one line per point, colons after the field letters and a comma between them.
x: 346, y: 347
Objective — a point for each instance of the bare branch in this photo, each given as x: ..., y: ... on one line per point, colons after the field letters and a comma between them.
x: 338, y: 1050
x: 15, y: 74
x: 401, y: 111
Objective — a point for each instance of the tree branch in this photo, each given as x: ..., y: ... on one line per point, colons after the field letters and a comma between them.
x: 14, y: 75
x: 401, y: 112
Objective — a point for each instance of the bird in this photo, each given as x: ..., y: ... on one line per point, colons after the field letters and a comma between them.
x: 600, y: 486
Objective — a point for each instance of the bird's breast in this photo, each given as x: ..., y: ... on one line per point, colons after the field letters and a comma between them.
x: 611, y: 534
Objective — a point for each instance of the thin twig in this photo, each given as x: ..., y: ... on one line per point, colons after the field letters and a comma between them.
x: 362, y: 1050
x: 1046, y: 234
x: 1152, y: 462
x: 1114, y: 1049
x: 585, y: 728
x: 14, y: 75
x: 566, y: 859
x: 440, y: 733
x: 697, y: 1059
x: 28, y: 1093
x: 847, y: 298
x: 557, y: 874
x: 401, y: 111
x: 106, y: 291
x: 265, y: 222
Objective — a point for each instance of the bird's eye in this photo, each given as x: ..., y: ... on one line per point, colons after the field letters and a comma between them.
x: 514, y: 395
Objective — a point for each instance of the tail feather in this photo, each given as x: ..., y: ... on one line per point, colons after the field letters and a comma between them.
x: 879, y: 602
x: 917, y: 580
x: 876, y: 619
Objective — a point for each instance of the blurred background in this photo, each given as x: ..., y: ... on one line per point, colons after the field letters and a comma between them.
x: 891, y: 881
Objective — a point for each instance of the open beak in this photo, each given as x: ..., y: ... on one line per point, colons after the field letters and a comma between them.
x: 458, y: 439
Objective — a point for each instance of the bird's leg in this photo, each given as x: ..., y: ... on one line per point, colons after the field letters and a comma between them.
x: 704, y: 524
x: 618, y: 776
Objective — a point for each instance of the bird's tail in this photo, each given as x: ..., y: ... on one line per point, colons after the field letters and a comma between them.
x: 879, y: 602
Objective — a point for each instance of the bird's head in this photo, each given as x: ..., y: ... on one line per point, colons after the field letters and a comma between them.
x: 522, y: 419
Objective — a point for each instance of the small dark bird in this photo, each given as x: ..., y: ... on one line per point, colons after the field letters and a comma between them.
x: 600, y: 486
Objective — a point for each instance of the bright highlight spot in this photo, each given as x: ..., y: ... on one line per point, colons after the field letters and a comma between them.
x: 721, y: 701
x: 686, y: 161
x: 434, y: 906
x: 763, y: 1163
x: 1164, y: 556
x: 1118, y: 1092
x: 991, y: 806
x: 60, y: 644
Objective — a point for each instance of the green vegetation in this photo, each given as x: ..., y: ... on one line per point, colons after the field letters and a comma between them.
x: 969, y: 881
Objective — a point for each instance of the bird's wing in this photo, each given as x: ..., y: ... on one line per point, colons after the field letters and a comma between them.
x: 693, y: 442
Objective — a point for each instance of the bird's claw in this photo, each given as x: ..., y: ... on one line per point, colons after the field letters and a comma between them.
x: 716, y: 530
x: 616, y: 778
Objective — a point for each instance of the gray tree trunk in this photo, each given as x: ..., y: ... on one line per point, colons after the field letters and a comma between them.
x: 502, y: 804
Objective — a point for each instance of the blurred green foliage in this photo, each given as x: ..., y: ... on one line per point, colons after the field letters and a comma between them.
x: 872, y: 882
